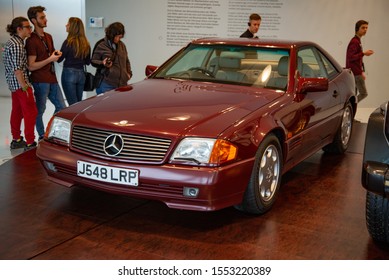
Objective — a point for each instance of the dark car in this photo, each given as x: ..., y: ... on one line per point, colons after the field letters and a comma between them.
x: 216, y: 125
x: 375, y: 174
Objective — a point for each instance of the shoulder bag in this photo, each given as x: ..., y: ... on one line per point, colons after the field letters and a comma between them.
x: 89, y: 81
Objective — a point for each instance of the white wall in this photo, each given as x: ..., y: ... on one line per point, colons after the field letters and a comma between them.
x: 327, y: 22
x: 57, y: 12
x: 6, y: 12
x: 331, y: 24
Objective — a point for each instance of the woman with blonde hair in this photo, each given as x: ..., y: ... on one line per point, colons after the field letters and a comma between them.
x: 76, y: 54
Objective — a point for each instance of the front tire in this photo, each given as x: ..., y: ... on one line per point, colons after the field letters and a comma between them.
x: 377, y: 217
x: 265, y: 179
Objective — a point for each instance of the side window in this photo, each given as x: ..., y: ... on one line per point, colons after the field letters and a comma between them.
x: 330, y: 69
x: 308, y: 64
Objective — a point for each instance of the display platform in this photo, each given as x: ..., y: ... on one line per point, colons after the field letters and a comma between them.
x: 320, y: 214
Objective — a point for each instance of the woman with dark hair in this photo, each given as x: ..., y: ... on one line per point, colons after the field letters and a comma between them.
x: 111, y: 59
x: 76, y: 53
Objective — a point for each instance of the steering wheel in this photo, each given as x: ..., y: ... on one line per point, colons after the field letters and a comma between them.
x: 202, y: 70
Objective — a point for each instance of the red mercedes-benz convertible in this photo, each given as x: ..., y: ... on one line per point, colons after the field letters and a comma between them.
x: 216, y: 125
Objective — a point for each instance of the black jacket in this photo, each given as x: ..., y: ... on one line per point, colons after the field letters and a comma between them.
x: 247, y: 34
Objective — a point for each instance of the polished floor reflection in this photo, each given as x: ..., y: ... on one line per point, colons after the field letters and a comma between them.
x: 319, y: 215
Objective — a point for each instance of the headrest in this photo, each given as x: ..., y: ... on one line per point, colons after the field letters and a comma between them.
x: 283, y: 65
x: 228, y: 62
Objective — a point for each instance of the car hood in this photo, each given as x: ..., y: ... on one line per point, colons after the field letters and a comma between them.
x: 169, y: 107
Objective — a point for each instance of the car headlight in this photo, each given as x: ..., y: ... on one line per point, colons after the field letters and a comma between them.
x: 59, y: 128
x: 204, y: 151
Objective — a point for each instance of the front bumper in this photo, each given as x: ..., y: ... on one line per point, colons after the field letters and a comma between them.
x: 375, y: 168
x: 375, y: 177
x: 218, y: 187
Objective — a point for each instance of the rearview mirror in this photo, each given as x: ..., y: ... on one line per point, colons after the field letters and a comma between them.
x: 311, y: 84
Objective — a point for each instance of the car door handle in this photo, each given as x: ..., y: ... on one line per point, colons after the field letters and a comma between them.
x: 335, y: 93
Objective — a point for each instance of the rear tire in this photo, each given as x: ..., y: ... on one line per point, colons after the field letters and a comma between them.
x: 343, y: 135
x: 265, y: 178
x: 377, y: 217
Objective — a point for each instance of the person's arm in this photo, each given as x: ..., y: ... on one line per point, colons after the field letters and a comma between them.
x: 87, y: 59
x: 129, y: 71
x: 20, y: 77
x: 17, y: 65
x: 35, y: 65
x: 64, y: 51
x: 354, y: 52
x: 98, y: 59
x: 128, y: 63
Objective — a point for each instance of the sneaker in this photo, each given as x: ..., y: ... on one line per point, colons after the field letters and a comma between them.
x: 17, y: 144
x: 40, y: 138
x: 30, y: 146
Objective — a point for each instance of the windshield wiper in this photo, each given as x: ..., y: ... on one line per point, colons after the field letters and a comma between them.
x: 168, y: 78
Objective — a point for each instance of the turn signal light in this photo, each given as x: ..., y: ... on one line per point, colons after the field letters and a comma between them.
x: 222, y: 152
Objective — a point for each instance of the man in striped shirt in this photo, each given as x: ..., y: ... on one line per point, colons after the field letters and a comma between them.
x: 16, y: 74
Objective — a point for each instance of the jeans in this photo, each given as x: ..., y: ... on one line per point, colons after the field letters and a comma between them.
x: 42, y: 91
x: 360, y: 87
x: 73, y: 81
x: 104, y: 87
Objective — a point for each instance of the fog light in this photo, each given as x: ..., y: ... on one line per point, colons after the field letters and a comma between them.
x: 50, y: 166
x: 191, y: 192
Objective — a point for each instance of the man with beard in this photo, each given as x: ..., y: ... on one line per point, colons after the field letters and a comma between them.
x: 41, y: 56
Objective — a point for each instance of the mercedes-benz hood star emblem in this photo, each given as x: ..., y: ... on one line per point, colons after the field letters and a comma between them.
x: 113, y: 144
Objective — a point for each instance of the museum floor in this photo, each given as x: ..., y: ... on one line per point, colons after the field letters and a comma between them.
x: 319, y: 215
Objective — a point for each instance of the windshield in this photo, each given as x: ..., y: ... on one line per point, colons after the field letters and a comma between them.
x: 249, y: 66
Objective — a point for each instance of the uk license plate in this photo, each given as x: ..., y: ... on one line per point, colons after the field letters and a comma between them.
x: 108, y: 174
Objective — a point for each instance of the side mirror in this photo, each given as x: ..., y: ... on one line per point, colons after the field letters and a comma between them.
x: 150, y: 69
x: 311, y: 84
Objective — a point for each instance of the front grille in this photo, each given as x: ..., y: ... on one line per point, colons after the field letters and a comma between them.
x: 153, y: 189
x: 137, y: 148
